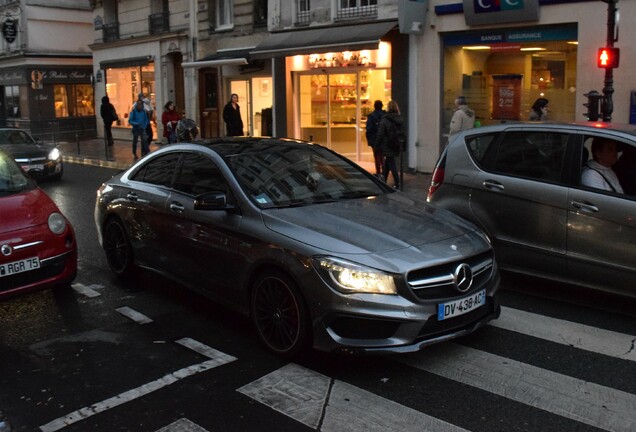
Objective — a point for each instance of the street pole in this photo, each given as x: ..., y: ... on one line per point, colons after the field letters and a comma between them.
x: 608, y: 90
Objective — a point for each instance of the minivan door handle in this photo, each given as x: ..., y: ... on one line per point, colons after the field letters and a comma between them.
x: 491, y: 184
x: 584, y: 207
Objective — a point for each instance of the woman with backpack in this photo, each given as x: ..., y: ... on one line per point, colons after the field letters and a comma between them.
x: 391, y: 139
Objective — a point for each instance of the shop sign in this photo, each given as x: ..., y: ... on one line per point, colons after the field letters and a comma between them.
x: 505, y: 47
x: 10, y: 30
x: 412, y: 16
x: 532, y: 34
x: 506, y: 97
x: 479, y: 12
x: 341, y: 59
x: 12, y: 77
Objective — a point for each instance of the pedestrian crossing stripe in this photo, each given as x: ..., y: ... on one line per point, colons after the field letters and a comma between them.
x: 568, y: 333
x: 331, y: 405
x: 138, y: 317
x: 217, y: 358
x: 182, y: 425
x: 586, y: 402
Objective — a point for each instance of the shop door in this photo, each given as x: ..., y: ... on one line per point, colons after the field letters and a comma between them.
x: 209, y: 102
x: 344, y: 114
x: 333, y: 109
x: 262, y: 119
x: 242, y: 89
x: 314, y: 108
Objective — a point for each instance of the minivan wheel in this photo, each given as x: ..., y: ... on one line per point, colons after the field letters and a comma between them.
x: 279, y: 314
x: 119, y: 252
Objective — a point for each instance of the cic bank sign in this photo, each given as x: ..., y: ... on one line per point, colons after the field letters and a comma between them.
x: 478, y: 12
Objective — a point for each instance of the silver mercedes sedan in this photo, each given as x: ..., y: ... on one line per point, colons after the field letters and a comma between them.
x: 315, y: 250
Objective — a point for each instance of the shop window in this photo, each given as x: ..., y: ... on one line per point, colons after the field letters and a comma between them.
x: 12, y: 100
x: 124, y: 84
x: 74, y: 100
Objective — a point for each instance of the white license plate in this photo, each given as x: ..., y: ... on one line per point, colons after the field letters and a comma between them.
x: 461, y: 306
x: 37, y: 167
x: 21, y: 266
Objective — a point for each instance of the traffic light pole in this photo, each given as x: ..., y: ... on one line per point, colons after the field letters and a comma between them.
x: 607, y: 104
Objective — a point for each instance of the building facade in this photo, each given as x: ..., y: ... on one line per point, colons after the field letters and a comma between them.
x: 46, y: 81
x: 139, y: 47
x: 227, y: 31
x: 330, y: 61
x: 311, y: 69
x: 503, y: 60
x: 330, y: 58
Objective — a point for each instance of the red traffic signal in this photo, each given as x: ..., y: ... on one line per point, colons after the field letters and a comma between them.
x: 608, y: 58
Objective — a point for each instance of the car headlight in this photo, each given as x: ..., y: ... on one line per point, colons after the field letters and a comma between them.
x: 55, y: 154
x: 348, y: 277
x: 57, y: 223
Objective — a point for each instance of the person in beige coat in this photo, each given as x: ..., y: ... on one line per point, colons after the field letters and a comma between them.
x: 463, y: 117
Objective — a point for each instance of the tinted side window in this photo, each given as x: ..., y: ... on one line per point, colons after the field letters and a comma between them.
x: 480, y: 146
x: 158, y: 171
x: 197, y: 174
x: 535, y: 155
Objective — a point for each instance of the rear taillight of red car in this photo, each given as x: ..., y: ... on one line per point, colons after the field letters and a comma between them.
x: 437, y: 179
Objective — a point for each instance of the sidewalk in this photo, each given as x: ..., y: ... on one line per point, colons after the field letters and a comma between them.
x: 119, y: 156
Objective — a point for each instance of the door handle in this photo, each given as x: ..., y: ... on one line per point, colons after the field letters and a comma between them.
x: 491, y: 184
x: 131, y: 196
x: 584, y: 207
x: 176, y: 207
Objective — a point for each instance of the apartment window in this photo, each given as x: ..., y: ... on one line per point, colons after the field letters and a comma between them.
x: 357, y: 8
x: 260, y: 13
x: 303, y: 8
x: 224, y: 14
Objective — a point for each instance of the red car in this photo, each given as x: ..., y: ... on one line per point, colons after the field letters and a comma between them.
x: 38, y: 248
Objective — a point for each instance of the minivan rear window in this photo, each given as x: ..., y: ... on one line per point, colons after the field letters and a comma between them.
x: 537, y: 155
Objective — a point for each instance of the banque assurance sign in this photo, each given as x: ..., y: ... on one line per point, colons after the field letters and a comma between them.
x: 478, y: 12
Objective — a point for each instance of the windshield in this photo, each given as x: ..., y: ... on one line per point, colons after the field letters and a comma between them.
x: 10, y: 136
x: 297, y: 175
x: 12, y: 178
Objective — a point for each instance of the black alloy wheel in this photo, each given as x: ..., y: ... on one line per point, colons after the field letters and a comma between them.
x: 279, y: 314
x: 118, y: 249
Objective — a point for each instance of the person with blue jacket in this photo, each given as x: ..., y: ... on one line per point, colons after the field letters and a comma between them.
x: 139, y: 121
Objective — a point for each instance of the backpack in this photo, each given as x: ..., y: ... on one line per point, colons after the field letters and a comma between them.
x: 396, y: 138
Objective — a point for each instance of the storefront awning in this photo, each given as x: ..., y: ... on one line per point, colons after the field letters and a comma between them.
x: 129, y: 62
x: 345, y: 38
x: 222, y: 58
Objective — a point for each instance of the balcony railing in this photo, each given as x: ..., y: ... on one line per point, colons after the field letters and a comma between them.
x: 110, y: 32
x: 159, y: 22
x: 370, y: 11
x: 303, y: 17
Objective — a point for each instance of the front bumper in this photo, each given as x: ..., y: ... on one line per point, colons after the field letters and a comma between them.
x: 370, y: 325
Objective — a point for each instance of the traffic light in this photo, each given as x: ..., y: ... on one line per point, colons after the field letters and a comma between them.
x: 608, y: 58
x: 593, y: 101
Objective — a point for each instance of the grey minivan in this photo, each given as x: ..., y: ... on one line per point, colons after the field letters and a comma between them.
x: 522, y: 184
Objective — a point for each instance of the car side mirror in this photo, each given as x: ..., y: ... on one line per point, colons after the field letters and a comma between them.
x: 216, y: 200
